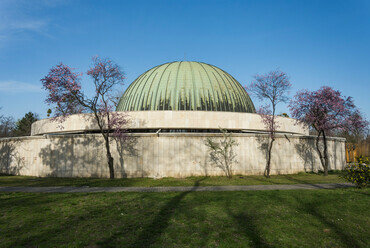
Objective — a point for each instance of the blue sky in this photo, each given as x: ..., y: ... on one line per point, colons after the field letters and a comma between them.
x: 315, y: 42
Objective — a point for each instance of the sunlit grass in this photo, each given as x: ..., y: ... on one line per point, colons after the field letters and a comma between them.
x: 300, y: 178
x: 295, y: 218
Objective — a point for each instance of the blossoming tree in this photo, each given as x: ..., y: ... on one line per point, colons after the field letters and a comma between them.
x: 64, y: 92
x: 326, y: 111
x: 273, y: 88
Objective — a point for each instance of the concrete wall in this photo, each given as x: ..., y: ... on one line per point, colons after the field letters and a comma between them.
x: 166, y: 155
x: 171, y: 120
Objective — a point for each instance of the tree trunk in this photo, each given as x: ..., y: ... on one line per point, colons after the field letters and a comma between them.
x: 229, y: 173
x: 110, y: 164
x: 226, y: 157
x: 272, y: 136
x: 326, y: 157
x: 323, y: 156
x: 109, y: 157
x: 268, y: 163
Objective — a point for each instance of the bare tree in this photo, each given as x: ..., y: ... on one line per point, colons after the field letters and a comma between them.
x: 7, y: 125
x: 271, y: 87
x: 222, y: 152
x: 116, y: 96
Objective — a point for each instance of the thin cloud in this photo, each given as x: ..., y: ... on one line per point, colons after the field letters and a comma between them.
x: 31, y: 25
x: 17, y: 20
x: 16, y: 86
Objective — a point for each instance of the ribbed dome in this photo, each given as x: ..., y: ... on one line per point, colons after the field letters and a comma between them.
x: 186, y: 85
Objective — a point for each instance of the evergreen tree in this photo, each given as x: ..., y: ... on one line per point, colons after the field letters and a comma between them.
x: 23, y: 126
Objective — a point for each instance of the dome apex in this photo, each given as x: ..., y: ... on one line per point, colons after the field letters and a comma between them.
x: 186, y: 85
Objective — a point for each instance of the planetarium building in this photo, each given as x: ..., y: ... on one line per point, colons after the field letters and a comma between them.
x: 172, y: 109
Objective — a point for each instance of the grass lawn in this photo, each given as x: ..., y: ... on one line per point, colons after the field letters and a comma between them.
x: 294, y: 218
x: 334, y: 177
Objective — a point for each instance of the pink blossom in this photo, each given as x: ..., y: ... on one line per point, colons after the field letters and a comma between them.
x: 271, y: 87
x: 64, y: 93
x: 326, y: 110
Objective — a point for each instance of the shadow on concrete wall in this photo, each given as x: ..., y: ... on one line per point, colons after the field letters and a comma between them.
x: 305, y: 149
x: 125, y: 147
x: 10, y: 161
x: 221, y: 152
x: 201, y: 159
x: 64, y: 158
x: 84, y: 156
x: 204, y: 165
x: 263, y: 145
x: 338, y: 154
x: 308, y: 151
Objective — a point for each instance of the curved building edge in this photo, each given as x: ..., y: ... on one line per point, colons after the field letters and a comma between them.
x: 167, y: 155
x: 186, y: 85
x: 171, y: 120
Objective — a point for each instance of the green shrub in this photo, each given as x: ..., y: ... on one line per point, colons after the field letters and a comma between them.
x: 359, y: 172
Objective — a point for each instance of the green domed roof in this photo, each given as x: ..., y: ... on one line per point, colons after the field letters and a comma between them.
x: 186, y: 85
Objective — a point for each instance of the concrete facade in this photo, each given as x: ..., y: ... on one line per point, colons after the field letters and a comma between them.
x: 171, y: 120
x: 173, y: 107
x: 163, y: 155
x: 62, y: 152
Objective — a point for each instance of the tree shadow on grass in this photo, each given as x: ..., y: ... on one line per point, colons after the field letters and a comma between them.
x: 69, y: 217
x: 247, y: 225
x: 152, y: 232
x: 289, y: 177
x: 272, y: 181
x: 300, y: 181
x: 362, y: 193
x: 39, y: 202
x: 20, y: 199
x: 264, y: 180
x: 311, y: 208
